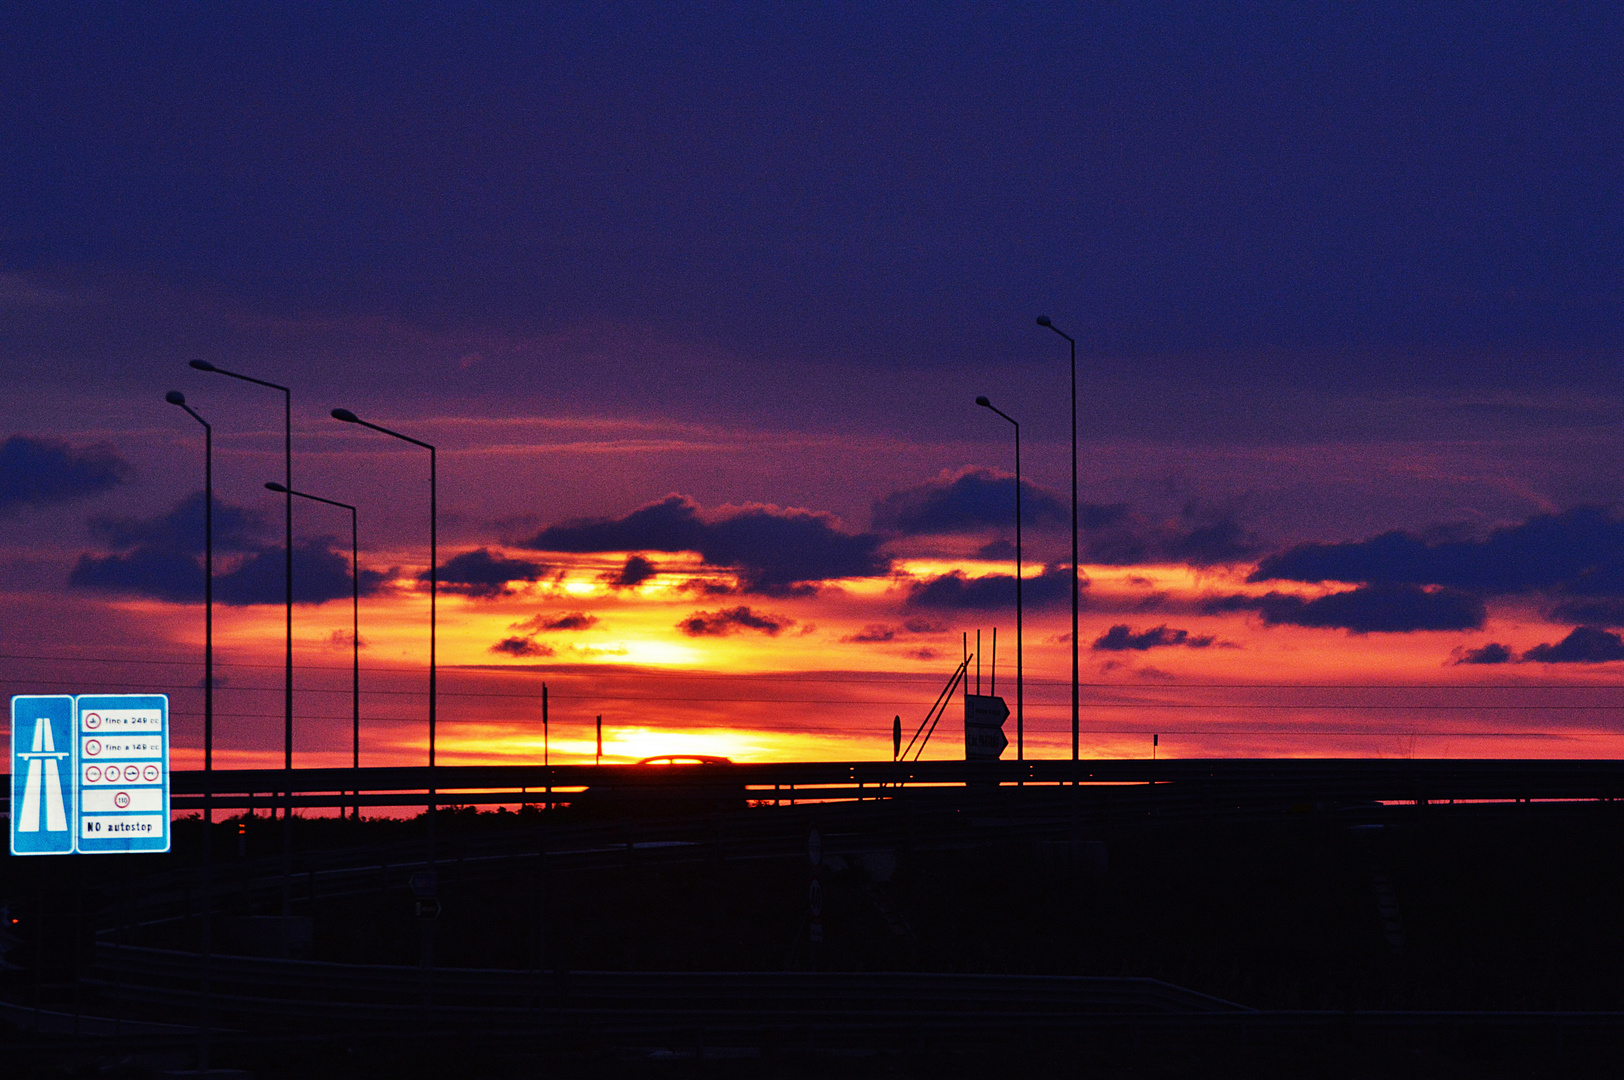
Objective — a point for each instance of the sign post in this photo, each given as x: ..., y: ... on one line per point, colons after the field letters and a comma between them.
x: 122, y: 793
x: 814, y: 896
x: 984, y: 717
x: 43, y: 777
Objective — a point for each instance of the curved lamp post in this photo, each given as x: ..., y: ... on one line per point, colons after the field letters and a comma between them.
x: 175, y: 397
x: 1020, y: 677
x: 355, y: 625
x: 434, y: 547
x: 287, y: 480
x: 1043, y: 320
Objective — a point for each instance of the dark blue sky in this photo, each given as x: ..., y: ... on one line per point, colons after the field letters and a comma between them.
x: 1385, y: 239
x: 1371, y: 195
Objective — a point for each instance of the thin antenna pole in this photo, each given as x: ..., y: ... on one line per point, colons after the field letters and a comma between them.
x: 938, y: 710
x: 992, y: 687
x: 600, y: 740
x: 545, y: 758
x: 355, y: 654
x: 978, y: 661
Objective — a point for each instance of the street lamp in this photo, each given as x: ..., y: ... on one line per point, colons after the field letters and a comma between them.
x: 287, y: 516
x: 1043, y: 320
x: 434, y: 550
x: 355, y: 627
x: 1020, y: 678
x: 175, y: 397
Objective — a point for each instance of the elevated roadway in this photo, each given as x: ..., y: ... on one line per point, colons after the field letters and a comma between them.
x: 1298, y: 779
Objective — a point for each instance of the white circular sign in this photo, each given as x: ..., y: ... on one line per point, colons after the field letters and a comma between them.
x: 122, y: 800
x: 92, y: 747
x: 92, y: 773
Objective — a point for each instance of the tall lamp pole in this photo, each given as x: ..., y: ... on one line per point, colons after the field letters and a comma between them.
x: 175, y: 397
x: 287, y: 518
x: 434, y: 550
x: 1020, y: 677
x: 355, y: 629
x: 1043, y: 320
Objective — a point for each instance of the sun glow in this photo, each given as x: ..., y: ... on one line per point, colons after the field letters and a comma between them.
x: 680, y: 664
x: 656, y: 653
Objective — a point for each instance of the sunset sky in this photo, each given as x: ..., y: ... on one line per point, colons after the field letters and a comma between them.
x: 695, y: 302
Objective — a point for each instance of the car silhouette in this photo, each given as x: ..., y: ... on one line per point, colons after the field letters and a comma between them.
x: 666, y: 784
x: 685, y: 759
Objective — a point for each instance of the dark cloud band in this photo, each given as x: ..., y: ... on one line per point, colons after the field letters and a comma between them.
x: 1121, y: 638
x: 1049, y: 588
x: 1381, y: 608
x: 722, y: 623
x: 974, y: 500
x: 39, y: 471
x: 161, y: 558
x: 1579, y: 552
x: 774, y: 551
x: 484, y: 575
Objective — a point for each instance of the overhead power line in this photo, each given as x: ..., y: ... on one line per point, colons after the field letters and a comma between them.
x: 877, y: 677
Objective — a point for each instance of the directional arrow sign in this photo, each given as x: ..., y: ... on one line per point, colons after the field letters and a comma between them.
x: 984, y: 718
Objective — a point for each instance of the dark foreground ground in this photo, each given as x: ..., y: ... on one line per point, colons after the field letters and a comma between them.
x: 1515, y: 907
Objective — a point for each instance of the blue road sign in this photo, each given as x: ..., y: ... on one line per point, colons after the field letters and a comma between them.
x: 42, y: 775
x: 122, y: 743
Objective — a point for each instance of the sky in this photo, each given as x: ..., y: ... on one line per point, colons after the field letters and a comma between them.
x: 694, y: 302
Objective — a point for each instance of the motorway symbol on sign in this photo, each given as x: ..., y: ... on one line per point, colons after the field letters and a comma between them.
x: 984, y: 718
x: 121, y: 774
x: 41, y: 760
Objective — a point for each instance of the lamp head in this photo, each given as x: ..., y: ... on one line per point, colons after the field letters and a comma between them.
x: 1043, y: 320
x: 175, y: 397
x: 346, y: 416
x: 983, y: 402
x: 274, y: 486
x: 202, y: 365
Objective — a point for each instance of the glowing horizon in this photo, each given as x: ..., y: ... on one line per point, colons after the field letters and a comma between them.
x: 822, y: 675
